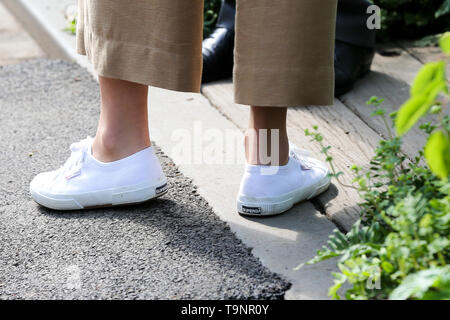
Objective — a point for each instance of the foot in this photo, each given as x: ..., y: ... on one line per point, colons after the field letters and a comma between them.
x: 350, y: 63
x: 266, y: 192
x: 84, y: 182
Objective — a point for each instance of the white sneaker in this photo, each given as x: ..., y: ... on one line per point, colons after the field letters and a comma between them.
x: 266, y: 193
x: 84, y: 182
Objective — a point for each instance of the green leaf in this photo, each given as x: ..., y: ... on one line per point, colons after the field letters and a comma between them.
x: 410, y: 113
x: 422, y: 79
x: 325, y: 149
x: 428, y: 84
x: 375, y: 101
x: 388, y: 267
x: 443, y: 10
x: 444, y: 41
x: 435, y: 109
x: 338, y: 282
x: 437, y: 154
x: 428, y: 76
x: 417, y: 285
x: 426, y: 221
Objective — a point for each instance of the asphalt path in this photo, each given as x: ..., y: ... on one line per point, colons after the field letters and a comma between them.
x: 171, y: 248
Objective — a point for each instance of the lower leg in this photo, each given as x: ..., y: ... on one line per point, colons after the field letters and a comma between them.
x: 123, y: 125
x: 267, y: 124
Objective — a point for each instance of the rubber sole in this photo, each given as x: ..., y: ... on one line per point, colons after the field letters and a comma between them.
x: 102, y: 198
x: 263, y: 207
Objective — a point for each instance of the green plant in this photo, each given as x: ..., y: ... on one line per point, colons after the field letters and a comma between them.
x: 423, y: 285
x: 71, y: 26
x: 412, y: 18
x: 71, y: 15
x: 401, y: 242
x: 211, y: 13
x: 399, y: 18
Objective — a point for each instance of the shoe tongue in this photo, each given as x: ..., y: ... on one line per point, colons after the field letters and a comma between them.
x: 301, y: 159
x: 293, y: 149
x: 83, y: 145
x: 301, y: 155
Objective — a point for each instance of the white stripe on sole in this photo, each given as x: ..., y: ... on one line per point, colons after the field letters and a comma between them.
x: 270, y: 206
x: 103, y: 198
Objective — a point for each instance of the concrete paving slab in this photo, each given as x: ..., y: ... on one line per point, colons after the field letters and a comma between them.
x: 45, y: 21
x: 280, y: 242
x: 15, y: 43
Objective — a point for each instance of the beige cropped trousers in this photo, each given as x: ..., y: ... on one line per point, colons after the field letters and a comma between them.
x: 283, y: 53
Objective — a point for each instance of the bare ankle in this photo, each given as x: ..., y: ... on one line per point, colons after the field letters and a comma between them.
x: 111, y: 147
x: 260, y: 150
x: 266, y: 141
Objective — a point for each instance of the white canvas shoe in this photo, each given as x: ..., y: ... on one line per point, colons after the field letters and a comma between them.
x: 267, y: 191
x: 84, y: 182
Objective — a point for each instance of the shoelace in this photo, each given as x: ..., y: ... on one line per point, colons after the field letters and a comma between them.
x: 73, y: 165
x: 301, y: 156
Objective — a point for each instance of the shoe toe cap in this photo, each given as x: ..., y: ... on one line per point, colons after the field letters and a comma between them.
x: 318, y: 165
x: 321, y: 172
x: 40, y: 182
